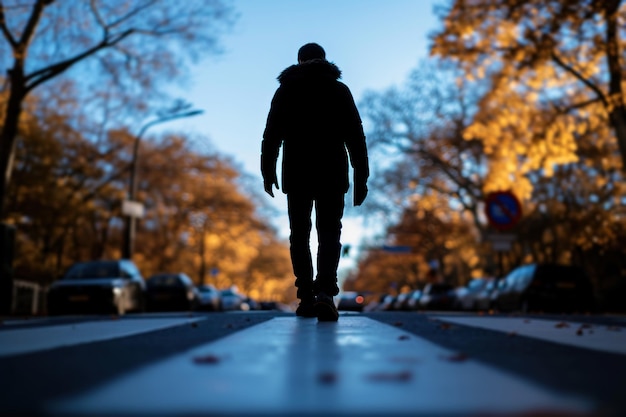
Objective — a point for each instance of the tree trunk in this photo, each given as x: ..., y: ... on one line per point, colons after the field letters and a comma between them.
x: 7, y: 154
x: 9, y: 135
x: 617, y: 108
x: 618, y: 121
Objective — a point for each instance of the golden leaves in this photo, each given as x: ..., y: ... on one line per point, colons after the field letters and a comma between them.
x: 530, y: 119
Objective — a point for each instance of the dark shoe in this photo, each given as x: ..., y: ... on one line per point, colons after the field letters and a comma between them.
x: 306, y: 309
x: 325, y: 308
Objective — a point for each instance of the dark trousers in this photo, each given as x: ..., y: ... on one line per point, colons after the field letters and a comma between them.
x: 328, y: 211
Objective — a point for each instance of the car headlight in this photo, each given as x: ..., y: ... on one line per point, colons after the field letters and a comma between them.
x: 117, y: 291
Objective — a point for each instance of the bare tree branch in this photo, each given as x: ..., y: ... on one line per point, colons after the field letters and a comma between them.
x: 5, y: 30
x: 131, y: 14
x: 46, y: 73
x: 32, y: 22
x: 580, y: 77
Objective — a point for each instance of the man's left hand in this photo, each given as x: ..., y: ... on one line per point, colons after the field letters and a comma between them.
x: 269, y: 185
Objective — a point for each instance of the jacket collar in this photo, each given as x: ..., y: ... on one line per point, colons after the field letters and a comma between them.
x: 317, y: 68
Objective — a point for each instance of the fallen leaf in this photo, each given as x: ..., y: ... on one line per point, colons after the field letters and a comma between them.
x: 327, y: 378
x: 512, y: 334
x: 445, y: 326
x: 403, y: 337
x: 229, y: 326
x: 402, y: 376
x: 527, y: 321
x: 115, y: 317
x: 398, y: 324
x: 206, y: 359
x: 481, y: 313
x: 561, y: 325
x: 194, y: 324
x: 586, y: 326
x: 456, y: 357
x: 579, y: 332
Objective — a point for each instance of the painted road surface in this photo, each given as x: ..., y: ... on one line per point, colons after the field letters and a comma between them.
x: 286, y: 365
x: 28, y: 340
x: 604, y: 338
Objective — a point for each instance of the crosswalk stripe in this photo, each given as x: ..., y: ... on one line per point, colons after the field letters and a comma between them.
x: 589, y: 336
x: 288, y: 365
x: 28, y: 340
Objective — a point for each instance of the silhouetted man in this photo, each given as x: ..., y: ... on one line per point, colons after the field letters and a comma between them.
x: 314, y: 117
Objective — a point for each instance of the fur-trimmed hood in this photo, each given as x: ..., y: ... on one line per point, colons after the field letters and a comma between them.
x: 317, y: 68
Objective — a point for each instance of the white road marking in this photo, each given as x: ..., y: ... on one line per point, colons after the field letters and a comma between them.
x: 589, y: 336
x: 28, y: 320
x: 288, y: 365
x: 28, y: 340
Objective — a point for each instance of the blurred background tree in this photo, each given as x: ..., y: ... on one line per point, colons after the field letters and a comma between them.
x: 130, y: 46
x: 519, y: 96
x: 555, y: 70
x: 66, y: 195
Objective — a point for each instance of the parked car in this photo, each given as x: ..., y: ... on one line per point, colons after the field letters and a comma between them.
x: 402, y: 301
x: 171, y: 292
x: 414, y: 298
x: 386, y: 302
x: 484, y: 298
x: 375, y: 303
x: 251, y: 303
x: 437, y: 297
x: 108, y: 286
x: 467, y: 296
x: 210, y: 298
x: 232, y: 300
x: 351, y: 301
x: 545, y: 287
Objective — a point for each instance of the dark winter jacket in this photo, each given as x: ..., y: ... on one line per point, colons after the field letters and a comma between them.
x: 314, y: 117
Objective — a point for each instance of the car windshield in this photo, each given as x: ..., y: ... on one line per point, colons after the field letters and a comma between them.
x: 164, y: 281
x: 205, y: 288
x: 87, y: 270
x: 476, y: 284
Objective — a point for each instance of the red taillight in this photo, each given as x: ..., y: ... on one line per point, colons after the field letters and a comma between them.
x: 359, y: 299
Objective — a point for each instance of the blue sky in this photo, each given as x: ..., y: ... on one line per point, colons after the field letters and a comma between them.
x: 375, y: 43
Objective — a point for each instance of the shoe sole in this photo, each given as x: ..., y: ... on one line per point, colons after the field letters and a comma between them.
x: 326, y: 312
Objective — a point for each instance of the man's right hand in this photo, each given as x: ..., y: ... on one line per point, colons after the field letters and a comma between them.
x: 360, y: 192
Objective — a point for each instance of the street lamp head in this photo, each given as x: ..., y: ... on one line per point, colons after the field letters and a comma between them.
x: 194, y: 113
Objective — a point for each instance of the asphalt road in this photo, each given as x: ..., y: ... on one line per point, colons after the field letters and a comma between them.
x: 375, y: 363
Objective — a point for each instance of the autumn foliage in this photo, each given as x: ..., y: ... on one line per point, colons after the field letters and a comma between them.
x: 200, y: 219
x: 525, y: 96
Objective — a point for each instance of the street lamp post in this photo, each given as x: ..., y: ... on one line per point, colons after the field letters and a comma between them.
x: 131, y: 216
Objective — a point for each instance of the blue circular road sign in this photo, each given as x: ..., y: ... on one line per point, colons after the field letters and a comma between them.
x: 503, y: 209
